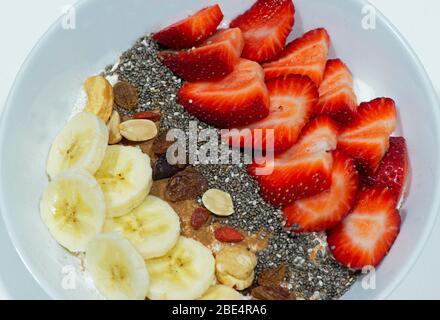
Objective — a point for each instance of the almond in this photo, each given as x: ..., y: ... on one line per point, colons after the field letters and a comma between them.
x: 138, y: 130
x: 113, y: 128
x: 272, y: 293
x: 218, y: 202
x: 126, y: 95
x: 99, y: 97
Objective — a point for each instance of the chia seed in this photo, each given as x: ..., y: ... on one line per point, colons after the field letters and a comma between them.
x: 158, y: 87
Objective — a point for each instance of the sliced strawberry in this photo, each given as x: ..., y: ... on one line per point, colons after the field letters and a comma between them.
x: 292, y: 102
x: 328, y: 208
x: 366, y: 138
x: 266, y: 26
x: 212, y: 60
x: 192, y: 30
x: 393, y: 170
x: 305, y: 56
x: 336, y: 94
x: 366, y: 235
x: 237, y: 100
x: 302, y: 171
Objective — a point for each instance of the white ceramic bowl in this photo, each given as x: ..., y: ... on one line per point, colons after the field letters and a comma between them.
x: 45, y: 90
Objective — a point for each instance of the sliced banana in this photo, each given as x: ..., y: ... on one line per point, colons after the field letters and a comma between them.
x: 117, y: 269
x: 73, y: 208
x: 125, y: 177
x: 184, y: 273
x: 81, y: 144
x: 218, y: 202
x: 153, y: 227
x: 221, y: 292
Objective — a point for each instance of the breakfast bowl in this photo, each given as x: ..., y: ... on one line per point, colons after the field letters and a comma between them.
x: 47, y: 86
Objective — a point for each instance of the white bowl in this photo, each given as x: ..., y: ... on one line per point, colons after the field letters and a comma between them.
x: 45, y: 90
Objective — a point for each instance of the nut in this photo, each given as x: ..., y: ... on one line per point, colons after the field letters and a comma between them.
x: 99, y: 97
x: 113, y: 128
x: 218, y: 202
x: 272, y: 293
x: 138, y: 130
x: 235, y: 267
x: 272, y: 276
x: 126, y: 95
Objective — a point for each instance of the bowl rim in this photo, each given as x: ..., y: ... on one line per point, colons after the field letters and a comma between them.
x: 427, y: 84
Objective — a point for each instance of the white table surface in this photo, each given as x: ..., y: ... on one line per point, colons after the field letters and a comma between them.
x: 22, y: 22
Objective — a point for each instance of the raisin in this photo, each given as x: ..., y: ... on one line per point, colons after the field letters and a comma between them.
x: 160, y: 144
x: 199, y: 217
x: 186, y: 185
x: 163, y: 170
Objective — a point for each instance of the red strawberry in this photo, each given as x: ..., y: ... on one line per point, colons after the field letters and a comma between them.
x: 336, y: 94
x: 306, y: 56
x: 212, y: 60
x: 302, y: 171
x: 393, y: 170
x: 292, y: 102
x: 366, y: 138
x: 366, y: 235
x: 192, y: 30
x: 228, y: 234
x: 237, y: 100
x: 328, y: 208
x: 266, y: 26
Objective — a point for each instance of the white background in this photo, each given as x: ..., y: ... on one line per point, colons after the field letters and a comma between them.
x: 22, y: 23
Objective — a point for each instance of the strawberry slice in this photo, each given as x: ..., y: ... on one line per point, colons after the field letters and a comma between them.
x: 328, y: 208
x: 237, y: 100
x: 266, y: 26
x: 192, y: 30
x: 366, y: 138
x: 302, y: 171
x: 292, y: 102
x: 212, y: 60
x: 306, y: 56
x: 393, y: 170
x: 336, y: 94
x: 366, y: 235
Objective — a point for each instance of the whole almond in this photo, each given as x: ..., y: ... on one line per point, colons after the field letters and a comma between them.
x: 218, y: 202
x: 126, y: 95
x: 100, y: 97
x: 138, y: 130
x: 113, y: 128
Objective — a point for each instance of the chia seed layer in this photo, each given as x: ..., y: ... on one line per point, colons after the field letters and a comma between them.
x: 323, y: 278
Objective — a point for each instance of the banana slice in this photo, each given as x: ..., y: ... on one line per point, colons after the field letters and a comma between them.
x: 81, y: 144
x: 125, y: 176
x: 184, y: 273
x: 153, y: 227
x: 117, y: 269
x: 221, y: 292
x: 73, y: 208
